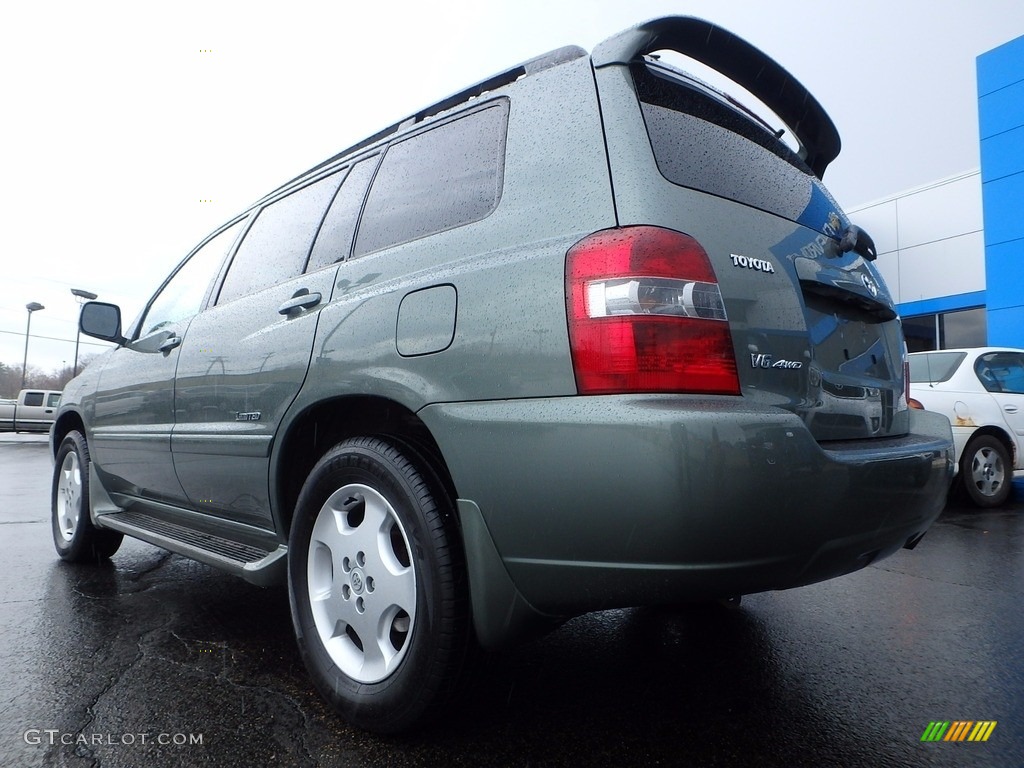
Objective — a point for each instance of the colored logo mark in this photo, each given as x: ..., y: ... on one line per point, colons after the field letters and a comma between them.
x: 958, y: 730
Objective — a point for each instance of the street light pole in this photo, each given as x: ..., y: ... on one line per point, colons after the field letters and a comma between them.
x: 32, y: 306
x: 82, y: 297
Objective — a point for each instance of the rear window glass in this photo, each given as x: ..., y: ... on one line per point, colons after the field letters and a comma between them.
x: 33, y: 398
x: 702, y: 143
x: 935, y: 367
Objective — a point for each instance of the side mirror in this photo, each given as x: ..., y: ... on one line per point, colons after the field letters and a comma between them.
x: 102, y: 321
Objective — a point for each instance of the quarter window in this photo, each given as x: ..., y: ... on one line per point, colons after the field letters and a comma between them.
x: 277, y: 244
x: 436, y: 180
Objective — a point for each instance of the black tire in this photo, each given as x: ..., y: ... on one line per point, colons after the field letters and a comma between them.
x: 986, y: 472
x: 75, y: 537
x: 377, y: 586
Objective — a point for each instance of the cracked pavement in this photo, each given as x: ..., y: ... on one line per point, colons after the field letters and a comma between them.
x: 106, y: 666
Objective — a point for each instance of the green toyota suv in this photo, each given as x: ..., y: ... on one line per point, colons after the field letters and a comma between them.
x: 588, y: 334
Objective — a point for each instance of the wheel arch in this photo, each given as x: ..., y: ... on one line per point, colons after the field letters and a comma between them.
x: 323, y: 425
x: 1001, y: 435
x: 68, y: 421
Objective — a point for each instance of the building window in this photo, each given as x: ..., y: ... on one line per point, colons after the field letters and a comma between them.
x: 946, y: 330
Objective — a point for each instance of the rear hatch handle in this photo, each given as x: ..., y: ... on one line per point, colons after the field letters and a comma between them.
x: 854, y: 285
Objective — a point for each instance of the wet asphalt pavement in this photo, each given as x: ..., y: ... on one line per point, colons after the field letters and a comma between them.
x: 154, y: 660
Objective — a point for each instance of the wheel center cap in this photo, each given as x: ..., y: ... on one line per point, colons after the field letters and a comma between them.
x: 358, y: 581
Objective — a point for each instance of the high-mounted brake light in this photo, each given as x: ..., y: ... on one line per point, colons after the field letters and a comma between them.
x: 646, y: 315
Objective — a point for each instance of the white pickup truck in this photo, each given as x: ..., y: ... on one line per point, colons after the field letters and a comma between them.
x: 33, y: 411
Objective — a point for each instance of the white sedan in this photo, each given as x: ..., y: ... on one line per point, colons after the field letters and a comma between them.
x: 981, y: 392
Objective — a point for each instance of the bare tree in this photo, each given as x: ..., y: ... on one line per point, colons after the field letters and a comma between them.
x: 10, y: 380
x: 36, y: 378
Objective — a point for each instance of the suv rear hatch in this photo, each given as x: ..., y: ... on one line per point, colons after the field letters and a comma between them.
x: 813, y: 326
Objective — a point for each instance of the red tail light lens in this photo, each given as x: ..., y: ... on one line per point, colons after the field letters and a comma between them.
x: 646, y: 315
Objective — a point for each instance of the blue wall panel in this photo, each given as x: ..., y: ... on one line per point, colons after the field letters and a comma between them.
x: 1002, y: 110
x: 1003, y: 199
x: 1004, y: 327
x: 942, y: 304
x: 1001, y: 122
x: 1004, y: 265
x: 1000, y: 154
x: 1000, y: 67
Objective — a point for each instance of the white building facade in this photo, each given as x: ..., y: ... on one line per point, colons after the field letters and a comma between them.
x: 931, y: 253
x: 952, y: 252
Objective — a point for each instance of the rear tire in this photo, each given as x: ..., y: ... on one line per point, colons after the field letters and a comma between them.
x: 985, y: 471
x: 75, y: 537
x: 377, y: 586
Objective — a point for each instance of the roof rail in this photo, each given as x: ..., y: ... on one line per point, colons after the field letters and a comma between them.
x: 532, y: 66
x: 742, y: 63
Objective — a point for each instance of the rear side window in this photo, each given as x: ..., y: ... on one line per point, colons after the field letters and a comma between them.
x: 33, y: 398
x: 1001, y: 372
x: 440, y: 179
x: 936, y: 367
x: 701, y: 143
x: 277, y: 244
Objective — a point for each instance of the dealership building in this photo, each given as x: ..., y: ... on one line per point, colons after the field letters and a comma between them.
x: 952, y: 252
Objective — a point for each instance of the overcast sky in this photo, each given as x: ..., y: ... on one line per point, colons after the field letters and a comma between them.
x: 131, y: 130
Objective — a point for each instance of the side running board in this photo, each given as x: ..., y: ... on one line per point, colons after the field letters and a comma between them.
x: 257, y: 565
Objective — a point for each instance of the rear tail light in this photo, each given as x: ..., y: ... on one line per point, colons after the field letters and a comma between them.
x: 646, y: 315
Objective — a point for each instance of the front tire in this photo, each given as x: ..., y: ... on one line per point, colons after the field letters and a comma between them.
x: 985, y: 471
x: 377, y: 585
x: 75, y: 537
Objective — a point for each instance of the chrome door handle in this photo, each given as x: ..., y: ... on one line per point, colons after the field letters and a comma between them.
x: 169, y: 343
x: 302, y: 299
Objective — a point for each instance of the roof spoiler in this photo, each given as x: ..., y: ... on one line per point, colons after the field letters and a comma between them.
x: 742, y: 63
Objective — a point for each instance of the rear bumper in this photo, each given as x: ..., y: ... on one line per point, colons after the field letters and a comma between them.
x: 598, y: 502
